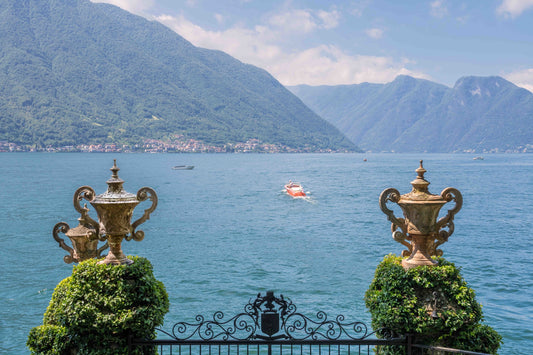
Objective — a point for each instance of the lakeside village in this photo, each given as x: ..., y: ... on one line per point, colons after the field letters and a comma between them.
x: 179, y: 145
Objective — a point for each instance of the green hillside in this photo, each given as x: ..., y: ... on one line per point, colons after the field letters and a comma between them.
x: 75, y: 72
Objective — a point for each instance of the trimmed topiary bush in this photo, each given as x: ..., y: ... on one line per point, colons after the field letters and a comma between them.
x: 404, y: 301
x: 49, y: 340
x: 95, y: 310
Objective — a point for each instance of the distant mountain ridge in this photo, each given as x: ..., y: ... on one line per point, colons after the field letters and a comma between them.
x: 479, y: 114
x: 77, y: 72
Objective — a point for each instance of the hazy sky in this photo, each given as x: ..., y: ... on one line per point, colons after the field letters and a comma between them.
x: 349, y: 42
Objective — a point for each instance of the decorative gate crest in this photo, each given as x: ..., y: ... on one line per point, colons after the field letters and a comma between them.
x: 271, y: 318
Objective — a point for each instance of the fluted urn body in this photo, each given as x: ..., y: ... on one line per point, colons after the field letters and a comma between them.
x: 84, y: 246
x: 420, y: 230
x: 115, y: 209
x: 114, y: 215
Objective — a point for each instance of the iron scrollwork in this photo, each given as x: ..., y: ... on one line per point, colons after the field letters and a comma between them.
x: 271, y: 318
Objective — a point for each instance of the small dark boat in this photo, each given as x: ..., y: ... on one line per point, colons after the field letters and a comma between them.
x: 183, y: 167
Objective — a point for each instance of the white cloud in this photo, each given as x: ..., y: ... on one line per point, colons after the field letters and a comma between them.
x: 219, y: 18
x: 299, y: 21
x: 320, y: 65
x: 329, y: 19
x: 304, y: 21
x: 328, y: 65
x: 375, y: 33
x: 248, y: 45
x: 134, y: 6
x: 358, y: 7
x: 513, y: 8
x: 522, y: 78
x: 463, y: 19
x: 438, y: 9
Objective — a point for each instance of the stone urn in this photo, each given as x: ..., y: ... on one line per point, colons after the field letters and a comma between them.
x: 115, y: 209
x: 420, y: 229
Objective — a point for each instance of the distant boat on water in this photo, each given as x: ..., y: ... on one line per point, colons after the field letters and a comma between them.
x: 295, y: 189
x: 183, y: 167
x: 479, y: 158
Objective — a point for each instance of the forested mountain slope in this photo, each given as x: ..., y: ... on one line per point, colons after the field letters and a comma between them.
x: 414, y: 115
x: 74, y: 72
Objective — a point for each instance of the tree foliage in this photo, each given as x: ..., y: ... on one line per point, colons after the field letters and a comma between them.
x: 98, y: 307
x: 77, y: 72
x: 404, y: 301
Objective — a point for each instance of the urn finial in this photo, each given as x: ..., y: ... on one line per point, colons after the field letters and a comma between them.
x: 114, y: 183
x: 420, y: 183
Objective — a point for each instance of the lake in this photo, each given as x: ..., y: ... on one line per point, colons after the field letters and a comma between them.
x: 226, y: 230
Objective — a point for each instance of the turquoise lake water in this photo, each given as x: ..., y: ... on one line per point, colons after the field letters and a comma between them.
x: 226, y: 230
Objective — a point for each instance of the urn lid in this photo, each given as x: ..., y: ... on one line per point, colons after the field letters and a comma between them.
x: 420, y: 192
x: 115, y: 192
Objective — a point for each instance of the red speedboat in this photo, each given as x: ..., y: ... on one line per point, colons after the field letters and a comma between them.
x: 295, y: 189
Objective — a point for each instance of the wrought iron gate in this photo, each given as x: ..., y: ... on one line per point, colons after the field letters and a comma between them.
x: 269, y: 325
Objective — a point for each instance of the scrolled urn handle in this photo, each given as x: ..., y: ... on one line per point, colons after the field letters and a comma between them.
x: 143, y: 194
x: 450, y: 194
x: 101, y: 249
x: 400, y: 236
x: 393, y: 195
x: 87, y: 193
x: 63, y: 227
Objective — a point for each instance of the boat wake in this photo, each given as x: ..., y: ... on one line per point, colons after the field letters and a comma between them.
x: 306, y: 198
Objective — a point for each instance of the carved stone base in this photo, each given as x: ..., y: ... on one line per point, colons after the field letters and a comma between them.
x: 420, y: 254
x: 112, y: 259
x: 115, y: 255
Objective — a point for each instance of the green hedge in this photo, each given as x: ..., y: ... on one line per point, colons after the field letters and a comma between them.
x: 98, y: 307
x: 49, y: 340
x: 403, y: 301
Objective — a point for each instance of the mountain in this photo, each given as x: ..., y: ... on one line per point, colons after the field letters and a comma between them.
x: 478, y: 114
x: 77, y: 72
